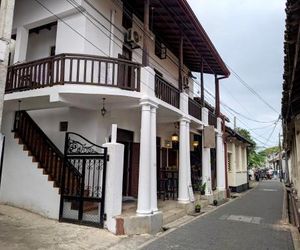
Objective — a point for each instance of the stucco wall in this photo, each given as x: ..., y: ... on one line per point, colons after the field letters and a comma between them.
x: 23, y: 184
x: 92, y: 36
x: 238, y: 174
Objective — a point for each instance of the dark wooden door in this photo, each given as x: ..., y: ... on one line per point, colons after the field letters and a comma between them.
x: 125, y: 137
x: 135, y: 163
x: 125, y: 72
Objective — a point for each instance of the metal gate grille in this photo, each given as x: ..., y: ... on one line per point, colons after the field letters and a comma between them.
x: 83, y: 181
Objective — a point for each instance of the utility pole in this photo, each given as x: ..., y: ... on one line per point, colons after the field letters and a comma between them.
x: 280, y: 158
x: 6, y: 21
x: 234, y: 123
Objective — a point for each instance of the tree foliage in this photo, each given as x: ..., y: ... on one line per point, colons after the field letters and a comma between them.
x: 255, y: 159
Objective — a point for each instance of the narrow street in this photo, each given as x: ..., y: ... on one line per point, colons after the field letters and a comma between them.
x: 250, y: 222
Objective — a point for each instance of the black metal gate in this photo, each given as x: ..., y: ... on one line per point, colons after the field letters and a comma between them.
x: 83, y: 181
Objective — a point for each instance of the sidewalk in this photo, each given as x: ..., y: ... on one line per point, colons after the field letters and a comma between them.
x: 20, y: 229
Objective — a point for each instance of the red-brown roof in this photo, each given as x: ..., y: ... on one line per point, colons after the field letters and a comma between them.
x: 174, y: 17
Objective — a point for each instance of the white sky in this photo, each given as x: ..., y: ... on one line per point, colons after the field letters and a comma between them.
x: 248, y: 34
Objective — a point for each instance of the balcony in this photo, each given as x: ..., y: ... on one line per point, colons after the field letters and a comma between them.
x: 195, y: 109
x: 167, y: 92
x: 212, y: 119
x: 73, y: 69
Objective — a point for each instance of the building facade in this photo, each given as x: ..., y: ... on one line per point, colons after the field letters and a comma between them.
x: 116, y: 76
x: 291, y: 107
x: 237, y: 161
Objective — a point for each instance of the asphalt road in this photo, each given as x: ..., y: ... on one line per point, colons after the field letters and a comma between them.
x: 252, y: 221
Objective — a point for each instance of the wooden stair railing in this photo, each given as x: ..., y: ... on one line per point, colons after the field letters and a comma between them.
x: 43, y: 151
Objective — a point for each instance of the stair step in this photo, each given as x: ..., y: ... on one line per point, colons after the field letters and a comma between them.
x: 173, y: 214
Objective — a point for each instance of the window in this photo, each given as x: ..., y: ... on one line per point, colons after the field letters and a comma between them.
x: 229, y: 161
x: 160, y: 50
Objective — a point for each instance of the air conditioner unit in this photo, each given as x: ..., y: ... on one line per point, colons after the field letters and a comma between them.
x: 135, y: 37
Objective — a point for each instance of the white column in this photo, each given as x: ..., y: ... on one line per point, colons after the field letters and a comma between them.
x: 245, y: 159
x: 220, y: 157
x: 21, y: 44
x: 144, y: 194
x: 153, y: 161
x: 184, y: 162
x: 188, y: 153
x: 240, y: 158
x: 206, y: 167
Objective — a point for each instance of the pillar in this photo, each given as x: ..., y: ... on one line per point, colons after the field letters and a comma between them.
x: 206, y: 167
x: 153, y: 161
x: 143, y: 205
x: 146, y: 33
x: 220, y: 157
x: 233, y: 163
x: 184, y: 161
x: 240, y: 158
x: 147, y: 171
x: 21, y: 44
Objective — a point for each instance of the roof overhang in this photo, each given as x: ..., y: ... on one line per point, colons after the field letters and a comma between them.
x: 172, y: 18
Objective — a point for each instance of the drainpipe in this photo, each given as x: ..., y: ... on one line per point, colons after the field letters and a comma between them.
x: 146, y: 33
x: 217, y: 94
x: 226, y: 159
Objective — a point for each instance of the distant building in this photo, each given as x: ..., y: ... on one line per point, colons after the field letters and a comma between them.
x: 237, y: 160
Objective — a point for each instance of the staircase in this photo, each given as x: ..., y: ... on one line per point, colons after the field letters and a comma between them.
x: 45, y: 153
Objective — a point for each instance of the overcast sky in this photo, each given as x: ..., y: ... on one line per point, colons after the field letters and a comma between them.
x: 248, y: 34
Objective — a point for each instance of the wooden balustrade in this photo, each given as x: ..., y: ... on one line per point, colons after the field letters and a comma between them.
x: 167, y: 92
x: 44, y: 151
x: 74, y: 69
x: 212, y: 119
x: 195, y: 109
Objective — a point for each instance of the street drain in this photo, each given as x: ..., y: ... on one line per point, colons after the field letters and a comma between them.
x: 165, y: 228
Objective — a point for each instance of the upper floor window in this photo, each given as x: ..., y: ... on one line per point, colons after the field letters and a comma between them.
x: 229, y: 161
x: 160, y: 50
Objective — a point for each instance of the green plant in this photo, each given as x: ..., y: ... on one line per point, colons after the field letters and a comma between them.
x: 202, y: 188
x: 198, y: 206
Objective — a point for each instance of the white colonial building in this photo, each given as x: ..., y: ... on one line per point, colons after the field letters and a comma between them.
x: 82, y: 66
x: 237, y: 160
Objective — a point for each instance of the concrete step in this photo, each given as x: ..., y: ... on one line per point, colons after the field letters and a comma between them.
x: 173, y: 214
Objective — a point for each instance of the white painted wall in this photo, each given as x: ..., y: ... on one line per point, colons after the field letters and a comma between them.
x: 30, y: 14
x: 23, y: 184
x: 238, y: 174
x: 97, y: 32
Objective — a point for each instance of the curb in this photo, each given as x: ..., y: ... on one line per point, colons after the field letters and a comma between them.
x: 162, y: 234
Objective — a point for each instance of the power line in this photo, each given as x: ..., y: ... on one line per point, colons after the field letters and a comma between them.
x: 74, y: 4
x: 251, y: 89
x: 84, y: 36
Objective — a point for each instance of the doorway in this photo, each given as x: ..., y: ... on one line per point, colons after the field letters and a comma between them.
x: 126, y: 77
x: 125, y: 137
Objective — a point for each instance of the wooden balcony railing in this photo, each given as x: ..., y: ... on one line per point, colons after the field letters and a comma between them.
x: 166, y: 92
x: 212, y: 119
x: 195, y: 109
x: 74, y: 69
